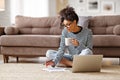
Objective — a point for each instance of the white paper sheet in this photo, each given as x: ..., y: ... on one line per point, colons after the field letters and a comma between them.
x: 54, y: 69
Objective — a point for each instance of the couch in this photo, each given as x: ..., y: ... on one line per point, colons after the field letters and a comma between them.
x: 32, y: 37
x: 106, y: 35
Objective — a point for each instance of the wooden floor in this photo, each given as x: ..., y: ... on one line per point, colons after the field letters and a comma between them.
x: 41, y: 60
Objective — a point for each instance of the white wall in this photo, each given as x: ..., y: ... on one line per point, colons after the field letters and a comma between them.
x: 16, y: 8
x: 52, y: 8
x: 81, y: 8
x: 35, y: 8
x: 5, y: 15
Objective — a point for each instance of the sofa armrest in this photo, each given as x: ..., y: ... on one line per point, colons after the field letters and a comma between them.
x: 2, y: 31
x: 11, y: 30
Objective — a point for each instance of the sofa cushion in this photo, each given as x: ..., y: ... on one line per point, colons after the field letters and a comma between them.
x: 84, y: 21
x: 106, y: 40
x: 109, y: 30
x: 40, y: 25
x: 56, y: 28
x: 11, y: 30
x: 116, y: 30
x: 30, y: 40
x: 25, y: 51
x: 104, y: 24
x: 39, y: 22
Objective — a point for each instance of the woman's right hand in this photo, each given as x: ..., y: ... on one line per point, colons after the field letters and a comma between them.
x: 50, y: 63
x: 75, y: 42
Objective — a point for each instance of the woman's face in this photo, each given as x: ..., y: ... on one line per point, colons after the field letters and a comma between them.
x: 70, y: 25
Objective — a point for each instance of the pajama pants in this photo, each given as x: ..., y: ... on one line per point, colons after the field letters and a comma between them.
x: 51, y: 54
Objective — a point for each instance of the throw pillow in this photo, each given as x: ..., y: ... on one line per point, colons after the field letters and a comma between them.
x: 84, y: 21
x: 11, y: 30
x: 116, y: 30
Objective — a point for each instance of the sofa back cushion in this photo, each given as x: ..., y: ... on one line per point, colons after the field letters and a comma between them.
x: 104, y: 24
x: 38, y: 25
x: 84, y: 21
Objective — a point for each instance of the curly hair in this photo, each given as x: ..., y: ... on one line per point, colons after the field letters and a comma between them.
x: 68, y: 13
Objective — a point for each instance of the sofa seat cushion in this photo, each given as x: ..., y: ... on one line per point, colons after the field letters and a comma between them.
x: 30, y: 40
x: 25, y: 51
x: 106, y: 40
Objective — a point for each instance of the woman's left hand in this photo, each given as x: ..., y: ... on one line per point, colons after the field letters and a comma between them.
x: 75, y: 42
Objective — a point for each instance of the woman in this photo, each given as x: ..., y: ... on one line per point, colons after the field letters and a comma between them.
x: 81, y: 39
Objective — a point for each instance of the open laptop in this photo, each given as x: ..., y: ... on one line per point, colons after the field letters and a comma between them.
x: 87, y: 63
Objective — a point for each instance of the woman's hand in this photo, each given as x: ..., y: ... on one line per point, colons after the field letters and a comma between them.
x: 75, y: 42
x: 50, y: 63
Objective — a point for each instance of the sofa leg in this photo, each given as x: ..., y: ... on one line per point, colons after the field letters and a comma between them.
x: 6, y: 58
x: 17, y: 58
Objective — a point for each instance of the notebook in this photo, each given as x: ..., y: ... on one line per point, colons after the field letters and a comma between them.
x: 87, y: 63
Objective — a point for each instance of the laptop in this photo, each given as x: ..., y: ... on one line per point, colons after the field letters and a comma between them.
x: 87, y: 63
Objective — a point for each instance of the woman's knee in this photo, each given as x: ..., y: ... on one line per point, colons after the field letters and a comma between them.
x: 86, y: 52
x: 50, y: 54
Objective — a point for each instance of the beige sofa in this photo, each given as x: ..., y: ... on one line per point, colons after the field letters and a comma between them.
x: 106, y: 35
x: 32, y: 37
